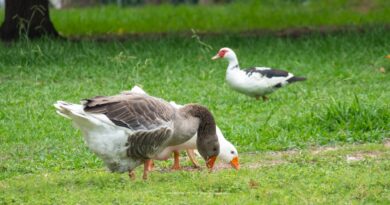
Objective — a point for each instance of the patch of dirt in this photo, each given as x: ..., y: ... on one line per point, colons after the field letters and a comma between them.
x: 253, y: 184
x: 318, y: 150
x: 217, y: 166
x: 276, y: 158
x: 183, y: 168
x: 354, y: 158
x: 223, y: 166
x: 387, y: 143
x: 270, y: 163
x: 362, y: 155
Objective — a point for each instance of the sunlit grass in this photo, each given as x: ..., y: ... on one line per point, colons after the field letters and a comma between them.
x: 347, y: 175
x: 234, y: 17
x: 345, y: 100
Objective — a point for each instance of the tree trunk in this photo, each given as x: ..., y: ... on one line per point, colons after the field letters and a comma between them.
x: 28, y: 18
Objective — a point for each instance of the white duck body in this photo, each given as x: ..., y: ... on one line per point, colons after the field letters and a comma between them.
x: 227, y: 149
x: 257, y: 81
x: 253, y: 83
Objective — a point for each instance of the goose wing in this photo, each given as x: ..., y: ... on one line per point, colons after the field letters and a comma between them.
x: 150, y: 119
x: 133, y: 111
x: 145, y: 144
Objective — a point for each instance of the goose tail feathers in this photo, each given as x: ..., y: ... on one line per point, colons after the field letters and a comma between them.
x: 69, y: 110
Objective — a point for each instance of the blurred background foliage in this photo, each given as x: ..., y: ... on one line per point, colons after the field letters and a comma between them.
x: 363, y: 4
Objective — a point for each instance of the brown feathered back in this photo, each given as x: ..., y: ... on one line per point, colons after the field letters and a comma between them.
x: 132, y: 110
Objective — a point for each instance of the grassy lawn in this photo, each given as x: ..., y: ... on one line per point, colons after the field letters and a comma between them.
x: 347, y: 175
x: 243, y: 15
x: 345, y: 100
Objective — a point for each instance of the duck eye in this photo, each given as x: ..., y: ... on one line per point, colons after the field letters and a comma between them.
x: 214, y: 149
x: 232, y: 152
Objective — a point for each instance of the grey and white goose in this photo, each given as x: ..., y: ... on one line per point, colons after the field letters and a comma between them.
x: 227, y: 151
x: 255, y: 82
x: 129, y: 129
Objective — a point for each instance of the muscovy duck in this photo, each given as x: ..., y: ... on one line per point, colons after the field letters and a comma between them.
x: 255, y: 82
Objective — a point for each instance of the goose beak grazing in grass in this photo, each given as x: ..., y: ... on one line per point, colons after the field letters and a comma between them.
x: 228, y: 153
x: 129, y: 129
x: 257, y: 81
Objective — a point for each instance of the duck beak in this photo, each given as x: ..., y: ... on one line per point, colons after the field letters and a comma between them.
x: 210, y: 162
x: 215, y: 57
x: 235, y: 163
x: 388, y: 56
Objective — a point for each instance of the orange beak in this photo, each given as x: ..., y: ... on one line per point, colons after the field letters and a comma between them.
x: 235, y: 163
x: 210, y: 162
x: 388, y: 56
x: 215, y: 57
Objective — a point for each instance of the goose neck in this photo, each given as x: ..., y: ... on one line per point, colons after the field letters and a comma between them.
x: 206, y: 126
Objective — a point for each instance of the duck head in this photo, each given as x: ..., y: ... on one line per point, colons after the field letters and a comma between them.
x: 225, y: 53
x: 228, y: 153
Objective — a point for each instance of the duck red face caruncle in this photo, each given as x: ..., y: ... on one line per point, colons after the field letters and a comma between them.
x: 221, y: 54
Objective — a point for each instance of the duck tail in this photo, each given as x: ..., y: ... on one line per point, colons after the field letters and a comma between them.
x: 295, y: 79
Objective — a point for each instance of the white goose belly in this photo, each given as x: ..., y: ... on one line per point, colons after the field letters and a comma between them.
x: 110, y: 145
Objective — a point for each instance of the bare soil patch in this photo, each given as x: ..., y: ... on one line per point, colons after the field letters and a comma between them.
x: 276, y: 158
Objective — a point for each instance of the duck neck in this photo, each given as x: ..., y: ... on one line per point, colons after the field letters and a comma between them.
x: 233, y: 64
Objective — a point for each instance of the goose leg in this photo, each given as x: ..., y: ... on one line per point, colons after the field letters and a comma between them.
x: 191, y: 155
x: 131, y: 175
x: 265, y: 98
x: 176, y: 161
x: 147, y: 165
x: 151, y: 166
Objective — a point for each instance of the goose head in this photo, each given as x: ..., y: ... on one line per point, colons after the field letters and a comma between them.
x: 225, y: 53
x: 207, y: 143
x: 227, y: 152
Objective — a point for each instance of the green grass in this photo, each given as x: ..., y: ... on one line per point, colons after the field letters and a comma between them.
x: 345, y: 100
x: 304, y: 177
x: 235, y: 17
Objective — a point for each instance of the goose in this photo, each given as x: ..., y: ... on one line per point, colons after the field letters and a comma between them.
x: 228, y: 153
x: 255, y: 82
x: 130, y: 129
